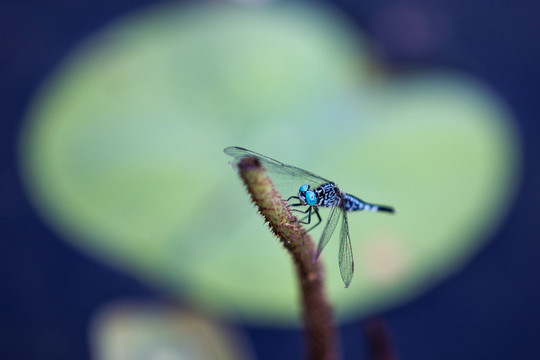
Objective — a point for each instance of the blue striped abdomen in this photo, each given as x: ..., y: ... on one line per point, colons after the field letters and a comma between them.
x: 352, y: 203
x: 328, y: 195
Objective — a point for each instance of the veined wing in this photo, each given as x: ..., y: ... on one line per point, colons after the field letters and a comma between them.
x: 287, y: 178
x: 333, y: 219
x: 346, y: 263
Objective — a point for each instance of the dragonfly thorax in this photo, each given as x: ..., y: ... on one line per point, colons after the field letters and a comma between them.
x: 325, y: 195
x: 328, y: 195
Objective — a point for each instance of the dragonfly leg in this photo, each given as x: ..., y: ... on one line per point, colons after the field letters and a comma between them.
x: 307, y: 211
x: 300, y: 211
x: 318, y: 216
x: 308, y: 216
x: 293, y: 197
x: 299, y: 204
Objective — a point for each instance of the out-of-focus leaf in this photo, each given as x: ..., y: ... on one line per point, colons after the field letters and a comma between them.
x: 122, y: 154
x: 131, y: 330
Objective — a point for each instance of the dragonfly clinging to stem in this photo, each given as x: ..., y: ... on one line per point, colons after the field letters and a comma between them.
x: 314, y: 192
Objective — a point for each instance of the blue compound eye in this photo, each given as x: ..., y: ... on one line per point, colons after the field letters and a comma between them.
x: 311, y: 198
x: 303, y: 188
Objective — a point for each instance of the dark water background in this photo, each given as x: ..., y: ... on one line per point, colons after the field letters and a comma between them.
x: 489, y: 310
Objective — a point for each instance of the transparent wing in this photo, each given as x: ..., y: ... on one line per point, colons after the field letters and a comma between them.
x: 346, y: 263
x: 333, y: 219
x: 286, y: 178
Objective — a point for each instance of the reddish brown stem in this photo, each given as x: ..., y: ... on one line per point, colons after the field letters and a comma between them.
x: 321, y: 337
x: 378, y: 339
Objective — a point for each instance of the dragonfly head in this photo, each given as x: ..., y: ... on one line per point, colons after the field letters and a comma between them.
x: 307, y: 196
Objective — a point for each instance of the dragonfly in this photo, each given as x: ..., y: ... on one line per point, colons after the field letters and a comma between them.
x: 314, y: 192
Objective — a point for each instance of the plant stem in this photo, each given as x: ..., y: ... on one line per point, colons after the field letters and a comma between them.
x: 378, y: 339
x: 321, y: 337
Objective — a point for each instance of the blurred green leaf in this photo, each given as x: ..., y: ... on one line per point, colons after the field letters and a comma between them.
x: 122, y: 154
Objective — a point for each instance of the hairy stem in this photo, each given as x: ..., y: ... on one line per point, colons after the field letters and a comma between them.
x: 321, y: 337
